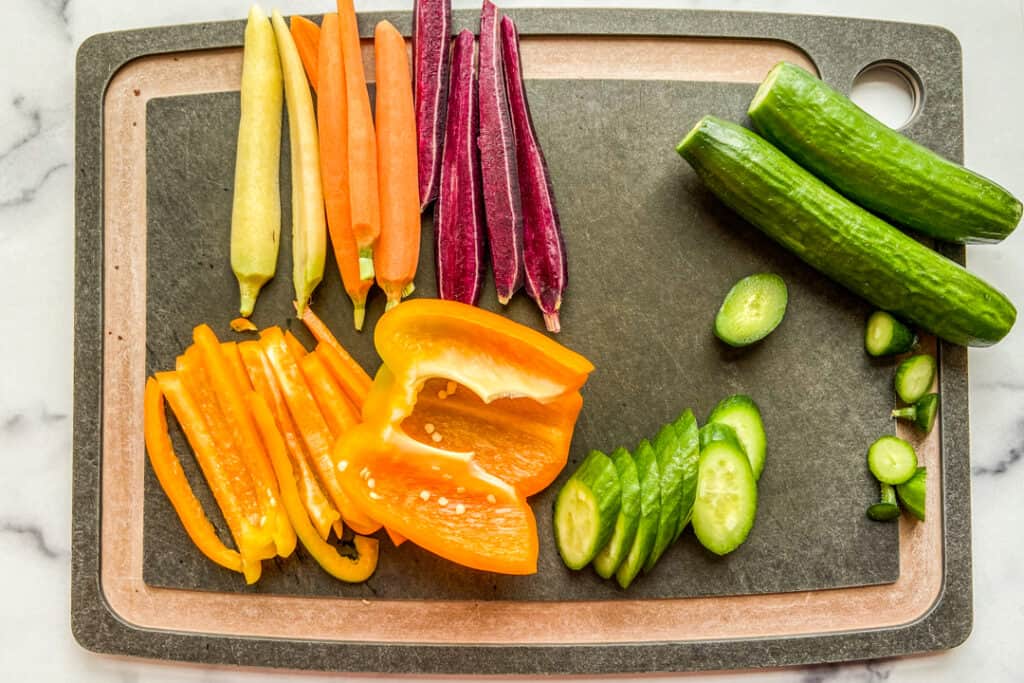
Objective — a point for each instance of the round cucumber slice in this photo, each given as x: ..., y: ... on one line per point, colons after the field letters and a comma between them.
x: 914, y: 378
x: 586, y: 510
x: 742, y: 414
x: 892, y: 460
x: 885, y: 335
x: 752, y: 309
x: 726, y: 503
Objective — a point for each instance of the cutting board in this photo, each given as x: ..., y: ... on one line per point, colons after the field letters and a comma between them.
x: 651, y: 254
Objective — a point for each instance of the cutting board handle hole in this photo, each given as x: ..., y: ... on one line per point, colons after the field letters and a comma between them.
x: 890, y: 91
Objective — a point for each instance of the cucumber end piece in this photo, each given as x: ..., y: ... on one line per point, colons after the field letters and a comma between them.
x: 912, y: 493
x: 883, y: 512
x: 684, y: 144
x: 765, y: 88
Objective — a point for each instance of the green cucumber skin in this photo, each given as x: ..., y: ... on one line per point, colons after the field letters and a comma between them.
x: 717, y: 431
x: 853, y: 247
x: 901, y: 339
x: 650, y: 514
x: 598, y: 474
x: 875, y: 166
x: 689, y: 436
x: 609, y: 559
x: 704, y: 526
x: 912, y: 493
x: 670, y: 448
x: 901, y: 379
x: 742, y: 414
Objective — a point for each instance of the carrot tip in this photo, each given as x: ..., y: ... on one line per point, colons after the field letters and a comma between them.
x: 552, y: 323
x: 359, y: 315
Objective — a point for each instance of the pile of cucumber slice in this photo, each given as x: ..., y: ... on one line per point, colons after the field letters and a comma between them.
x: 622, y: 512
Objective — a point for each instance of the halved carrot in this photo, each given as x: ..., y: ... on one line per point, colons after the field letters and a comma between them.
x: 321, y: 511
x: 296, y: 348
x: 362, y: 142
x: 353, y: 373
x: 234, y: 361
x: 172, y: 480
x: 398, y: 249
x: 306, y: 35
x: 334, y: 406
x: 332, y: 118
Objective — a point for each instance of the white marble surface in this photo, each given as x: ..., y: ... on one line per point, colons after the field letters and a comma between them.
x: 38, y: 39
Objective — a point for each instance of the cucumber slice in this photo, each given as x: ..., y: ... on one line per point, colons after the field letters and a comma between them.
x: 611, y: 556
x: 922, y: 413
x: 726, y: 503
x: 914, y: 378
x: 650, y: 514
x: 671, y: 461
x: 752, y: 309
x: 586, y: 509
x: 886, y: 509
x: 912, y: 493
x: 885, y: 335
x: 742, y: 414
x: 716, y: 431
x: 689, y: 436
x: 892, y: 460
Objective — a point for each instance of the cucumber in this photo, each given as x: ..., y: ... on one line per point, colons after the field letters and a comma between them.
x: 914, y: 378
x: 876, y: 167
x: 845, y: 242
x: 686, y: 430
x: 912, y: 493
x: 742, y: 414
x: 892, y: 460
x: 752, y: 309
x: 726, y: 503
x: 717, y: 431
x: 670, y: 448
x: 922, y: 413
x: 650, y: 514
x: 586, y: 510
x: 611, y: 556
x: 884, y: 335
x: 886, y: 509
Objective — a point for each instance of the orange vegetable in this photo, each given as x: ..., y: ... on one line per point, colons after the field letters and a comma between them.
x: 295, y: 347
x: 243, y: 325
x: 345, y: 569
x: 349, y: 373
x: 362, y: 142
x: 335, y: 407
x: 398, y: 249
x: 172, y: 479
x: 396, y: 538
x: 234, y: 361
x: 306, y: 35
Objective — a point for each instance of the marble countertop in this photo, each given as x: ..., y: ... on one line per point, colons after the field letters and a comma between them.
x: 39, y: 39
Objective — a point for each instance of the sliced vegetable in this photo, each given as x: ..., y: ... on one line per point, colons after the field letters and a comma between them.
x: 719, y: 431
x: 726, y: 503
x: 892, y: 460
x: 256, y: 206
x: 876, y: 166
x: 309, y: 229
x: 347, y: 371
x: 912, y: 493
x: 742, y: 414
x: 611, y: 556
x: 235, y: 366
x: 843, y: 241
x: 914, y: 377
x: 922, y: 413
x: 243, y: 325
x: 689, y: 435
x: 670, y: 448
x: 547, y: 274
x: 431, y: 47
x: 586, y: 510
x: 398, y: 250
x: 336, y: 409
x: 650, y: 515
x: 886, y: 509
x: 458, y: 214
x: 752, y: 309
x: 306, y: 35
x: 885, y: 335
x: 500, y: 172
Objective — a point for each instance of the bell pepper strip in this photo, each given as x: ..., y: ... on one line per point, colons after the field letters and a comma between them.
x: 334, y: 406
x: 350, y: 382
x: 321, y: 511
x: 237, y: 367
x: 243, y: 325
x: 326, y: 555
x: 311, y: 425
x: 296, y: 348
x: 306, y: 35
x: 396, y: 538
x: 353, y: 377
x: 244, y: 432
x: 172, y: 480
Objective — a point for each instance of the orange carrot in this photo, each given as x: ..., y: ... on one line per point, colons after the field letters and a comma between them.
x: 306, y: 35
x: 323, y: 334
x: 295, y: 347
x: 332, y: 119
x: 234, y: 361
x: 350, y: 382
x: 398, y: 250
x: 362, y: 142
x: 334, y: 406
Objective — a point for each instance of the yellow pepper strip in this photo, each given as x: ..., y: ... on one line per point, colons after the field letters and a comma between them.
x: 309, y: 224
x: 326, y: 555
x: 256, y: 211
x: 335, y: 407
x: 172, y: 479
x: 244, y: 431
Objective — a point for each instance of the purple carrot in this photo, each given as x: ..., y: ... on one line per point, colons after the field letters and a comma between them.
x: 503, y: 207
x: 431, y: 47
x: 458, y: 213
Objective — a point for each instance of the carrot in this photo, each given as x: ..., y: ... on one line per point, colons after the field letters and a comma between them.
x: 332, y: 118
x: 335, y: 407
x: 398, y: 249
x: 320, y: 509
x: 306, y: 35
x: 234, y: 361
x: 355, y: 372
x: 362, y: 142
x: 295, y: 347
x: 172, y: 480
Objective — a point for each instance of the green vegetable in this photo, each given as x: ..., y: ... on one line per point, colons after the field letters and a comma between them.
x: 718, y: 431
x: 886, y: 509
x: 892, y: 460
x: 752, y: 309
x: 875, y: 166
x: 912, y: 493
x: 742, y: 414
x: 586, y: 510
x: 884, y: 335
x: 609, y: 559
x: 842, y: 240
x: 650, y: 514
x: 672, y: 459
x: 686, y: 430
x: 922, y: 413
x: 914, y: 378
x: 726, y: 503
